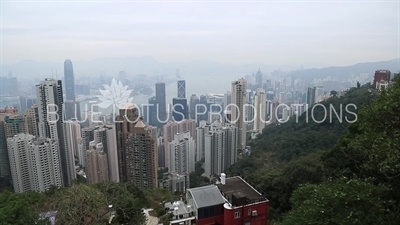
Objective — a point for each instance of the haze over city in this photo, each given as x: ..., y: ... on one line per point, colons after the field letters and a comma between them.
x: 199, y: 112
x: 310, y: 33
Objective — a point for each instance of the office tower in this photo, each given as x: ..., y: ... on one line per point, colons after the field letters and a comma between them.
x: 181, y: 89
x: 238, y: 100
x: 30, y: 122
x: 182, y: 153
x: 4, y: 87
x: 50, y: 101
x: 220, y: 148
x: 161, y: 152
x: 69, y: 80
x: 150, y: 111
x: 227, y: 100
x: 319, y: 92
x: 259, y: 79
x: 180, y: 109
x: 72, y: 110
x: 13, y: 86
x: 161, y: 105
x: 34, y: 163
x: 202, y: 109
x: 260, y: 105
x: 137, y: 148
x: 172, y: 128
x: 96, y: 163
x: 194, y: 100
x: 310, y: 96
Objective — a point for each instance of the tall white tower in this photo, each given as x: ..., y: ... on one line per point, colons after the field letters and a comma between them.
x: 260, y: 105
x: 51, y: 113
x: 239, y: 91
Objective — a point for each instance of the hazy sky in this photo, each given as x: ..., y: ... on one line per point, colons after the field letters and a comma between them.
x: 269, y: 32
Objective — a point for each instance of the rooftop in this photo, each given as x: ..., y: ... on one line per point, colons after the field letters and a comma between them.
x: 178, y: 208
x: 206, y: 196
x: 237, y: 188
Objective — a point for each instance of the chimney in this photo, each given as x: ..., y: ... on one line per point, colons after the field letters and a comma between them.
x: 223, y: 178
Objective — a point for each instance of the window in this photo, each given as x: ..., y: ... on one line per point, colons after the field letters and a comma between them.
x: 237, y: 214
x: 247, y: 223
x: 249, y: 213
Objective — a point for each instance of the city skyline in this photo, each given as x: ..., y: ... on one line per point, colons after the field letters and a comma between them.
x: 269, y: 32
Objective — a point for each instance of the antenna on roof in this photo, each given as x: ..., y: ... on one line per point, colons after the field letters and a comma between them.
x: 52, y: 73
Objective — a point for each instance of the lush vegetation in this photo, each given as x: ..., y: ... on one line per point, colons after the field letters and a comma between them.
x: 196, y: 179
x: 332, y: 172
x: 84, y: 204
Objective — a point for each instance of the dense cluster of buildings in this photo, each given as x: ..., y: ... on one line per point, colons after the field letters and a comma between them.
x: 45, y: 142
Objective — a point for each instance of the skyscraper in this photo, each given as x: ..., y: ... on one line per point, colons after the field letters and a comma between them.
x: 259, y: 79
x: 180, y: 109
x: 137, y: 148
x: 194, y: 100
x: 30, y: 122
x: 239, y: 91
x: 181, y: 89
x: 260, y: 105
x: 34, y: 163
x: 161, y: 105
x: 203, y: 128
x: 72, y: 108
x: 182, y: 153
x: 69, y: 80
x: 96, y: 163
x: 220, y: 148
x: 311, y: 91
x: 50, y: 100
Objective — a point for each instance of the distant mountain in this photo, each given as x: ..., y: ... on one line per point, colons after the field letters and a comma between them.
x: 150, y: 66
x: 345, y: 71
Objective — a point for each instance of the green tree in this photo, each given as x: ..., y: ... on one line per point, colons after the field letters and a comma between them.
x: 126, y: 205
x: 339, y: 202
x: 20, y: 208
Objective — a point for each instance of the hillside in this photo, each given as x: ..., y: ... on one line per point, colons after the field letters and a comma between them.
x: 288, y: 155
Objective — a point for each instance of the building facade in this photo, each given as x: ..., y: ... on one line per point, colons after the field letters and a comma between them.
x: 34, y: 162
x: 239, y: 93
x: 137, y: 148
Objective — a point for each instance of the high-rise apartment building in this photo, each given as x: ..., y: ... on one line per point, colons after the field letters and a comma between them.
x: 96, y: 163
x: 30, y: 122
x: 239, y: 92
x: 50, y: 110
x: 203, y: 128
x: 260, y: 105
x: 220, y: 148
x: 172, y: 128
x: 104, y: 134
x: 181, y: 89
x: 182, y: 153
x: 137, y: 148
x: 34, y: 162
